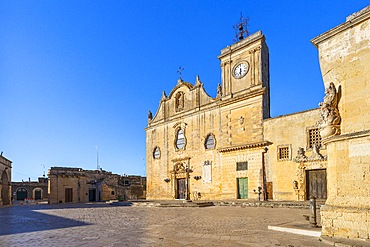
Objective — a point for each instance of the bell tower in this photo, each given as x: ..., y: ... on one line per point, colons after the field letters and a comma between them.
x: 245, y: 66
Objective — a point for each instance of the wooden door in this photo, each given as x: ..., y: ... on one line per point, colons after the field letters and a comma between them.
x: 316, y: 183
x: 37, y: 194
x: 69, y: 195
x: 242, y: 188
x: 181, y: 188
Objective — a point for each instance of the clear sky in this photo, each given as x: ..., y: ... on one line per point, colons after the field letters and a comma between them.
x: 79, y: 74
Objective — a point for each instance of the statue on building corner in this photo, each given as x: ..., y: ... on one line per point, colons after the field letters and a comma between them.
x: 150, y: 116
x: 329, y: 113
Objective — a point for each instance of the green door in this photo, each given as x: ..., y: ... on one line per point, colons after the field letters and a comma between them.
x: 242, y: 188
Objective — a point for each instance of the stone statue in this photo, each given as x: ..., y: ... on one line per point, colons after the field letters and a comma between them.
x: 150, y: 115
x: 329, y: 113
x: 219, y: 90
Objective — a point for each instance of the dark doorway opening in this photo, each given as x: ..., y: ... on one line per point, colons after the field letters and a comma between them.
x: 92, y: 195
x: 21, y: 194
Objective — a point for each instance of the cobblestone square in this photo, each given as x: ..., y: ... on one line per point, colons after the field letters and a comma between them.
x: 94, y: 225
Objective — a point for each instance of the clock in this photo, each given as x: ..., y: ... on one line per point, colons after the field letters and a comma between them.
x: 240, y: 70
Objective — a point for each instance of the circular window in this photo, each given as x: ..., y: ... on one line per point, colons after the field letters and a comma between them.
x: 156, y: 153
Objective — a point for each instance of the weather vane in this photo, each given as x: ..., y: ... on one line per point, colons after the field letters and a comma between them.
x: 180, y: 72
x: 241, y: 30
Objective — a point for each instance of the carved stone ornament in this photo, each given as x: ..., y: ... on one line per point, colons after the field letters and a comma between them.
x: 329, y: 113
x: 241, y: 120
x: 301, y: 157
x: 316, y: 156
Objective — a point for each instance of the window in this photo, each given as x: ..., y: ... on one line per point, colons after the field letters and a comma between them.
x: 180, y: 139
x: 112, y: 192
x: 313, y: 138
x: 210, y: 142
x: 283, y: 153
x: 242, y: 166
x: 156, y: 153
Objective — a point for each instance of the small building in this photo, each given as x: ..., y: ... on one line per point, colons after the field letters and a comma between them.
x: 5, y: 178
x: 37, y: 190
x: 78, y: 185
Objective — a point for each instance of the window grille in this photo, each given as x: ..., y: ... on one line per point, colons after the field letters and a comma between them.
x: 284, y: 153
x: 314, y: 138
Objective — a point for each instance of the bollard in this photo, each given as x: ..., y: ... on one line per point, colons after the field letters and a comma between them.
x: 313, y: 211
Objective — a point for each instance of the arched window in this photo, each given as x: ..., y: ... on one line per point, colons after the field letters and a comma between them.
x: 156, y: 153
x: 210, y: 142
x: 180, y: 139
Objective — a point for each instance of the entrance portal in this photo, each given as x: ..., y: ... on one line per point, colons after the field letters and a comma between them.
x: 92, y: 195
x: 242, y: 188
x: 181, y: 188
x: 69, y: 195
x: 38, y: 195
x: 21, y: 194
x: 316, y: 183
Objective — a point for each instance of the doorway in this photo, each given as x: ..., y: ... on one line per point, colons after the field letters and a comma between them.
x: 92, y: 195
x: 181, y: 189
x: 21, y: 194
x: 37, y: 194
x: 242, y: 188
x: 68, y: 195
x: 316, y: 184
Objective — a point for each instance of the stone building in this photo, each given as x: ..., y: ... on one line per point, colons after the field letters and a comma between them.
x: 78, y: 185
x: 228, y: 147
x: 344, y: 55
x: 5, y: 178
x: 37, y: 190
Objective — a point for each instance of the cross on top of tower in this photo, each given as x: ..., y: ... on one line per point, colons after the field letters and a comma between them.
x: 180, y: 72
x: 241, y: 30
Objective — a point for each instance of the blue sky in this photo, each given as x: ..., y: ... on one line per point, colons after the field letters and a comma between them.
x: 79, y: 74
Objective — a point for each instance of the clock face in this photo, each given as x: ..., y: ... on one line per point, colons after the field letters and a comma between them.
x: 240, y: 70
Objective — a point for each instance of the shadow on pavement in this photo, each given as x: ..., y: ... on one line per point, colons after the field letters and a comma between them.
x: 25, y: 218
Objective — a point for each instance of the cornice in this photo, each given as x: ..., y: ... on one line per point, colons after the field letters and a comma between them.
x: 245, y: 146
x: 345, y: 137
x: 351, y: 21
x: 247, y: 95
x: 241, y: 44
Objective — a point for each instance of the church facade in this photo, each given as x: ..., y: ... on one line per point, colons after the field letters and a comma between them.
x: 228, y: 147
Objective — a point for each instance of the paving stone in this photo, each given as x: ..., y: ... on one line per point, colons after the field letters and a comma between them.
x: 97, y: 225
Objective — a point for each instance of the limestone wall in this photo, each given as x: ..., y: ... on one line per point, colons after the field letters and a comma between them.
x: 290, y: 131
x: 344, y: 53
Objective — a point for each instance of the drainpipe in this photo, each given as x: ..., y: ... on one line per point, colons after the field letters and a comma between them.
x: 264, y: 192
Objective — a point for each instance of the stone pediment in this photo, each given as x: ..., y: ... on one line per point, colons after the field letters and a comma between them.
x: 183, y: 98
